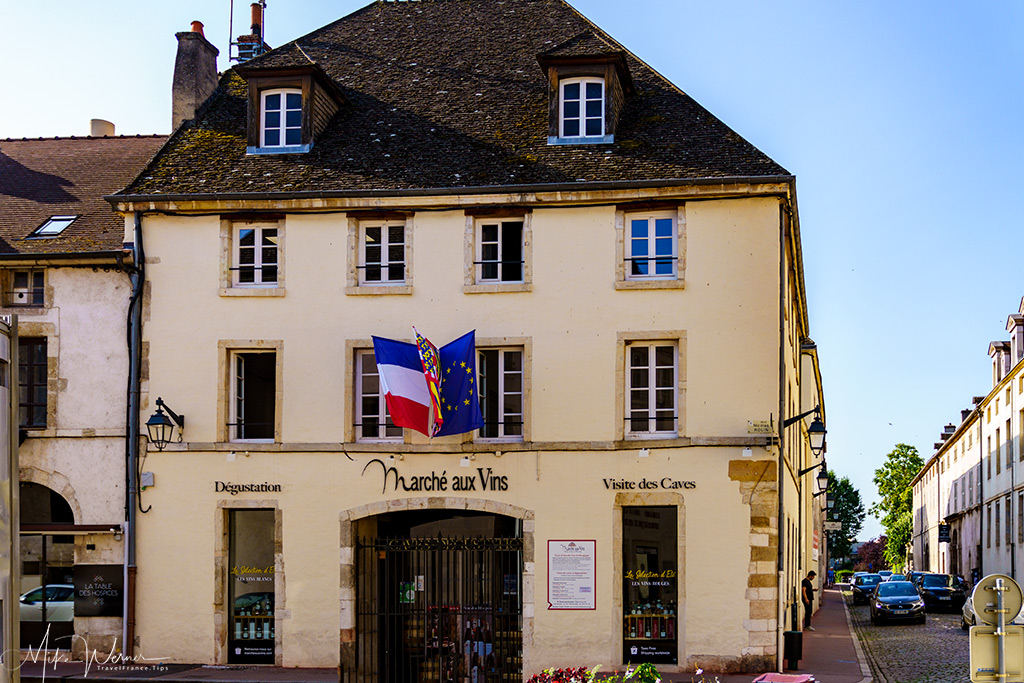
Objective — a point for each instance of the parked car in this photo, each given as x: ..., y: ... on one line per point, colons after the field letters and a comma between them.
x: 897, y: 600
x: 60, y: 603
x: 915, y: 577
x: 863, y: 586
x: 968, y: 618
x: 942, y: 592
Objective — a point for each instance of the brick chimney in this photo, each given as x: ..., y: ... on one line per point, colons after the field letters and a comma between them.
x: 252, y: 45
x: 195, y: 74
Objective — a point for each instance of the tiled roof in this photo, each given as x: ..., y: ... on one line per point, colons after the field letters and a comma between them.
x: 448, y: 94
x: 586, y: 43
x: 45, y: 177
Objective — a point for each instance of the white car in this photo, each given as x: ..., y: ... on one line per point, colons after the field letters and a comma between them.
x: 60, y: 603
x: 968, y: 618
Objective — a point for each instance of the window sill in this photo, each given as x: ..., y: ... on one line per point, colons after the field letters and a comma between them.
x: 378, y: 290
x: 650, y: 436
x: 603, y: 140
x: 498, y: 287
x: 295, y: 149
x: 650, y: 284
x: 252, y: 291
x: 25, y: 310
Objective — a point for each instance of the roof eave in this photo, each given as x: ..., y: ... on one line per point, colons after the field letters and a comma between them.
x: 114, y: 257
x: 122, y: 199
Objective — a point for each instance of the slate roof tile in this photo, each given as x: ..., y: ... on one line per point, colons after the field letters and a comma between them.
x: 446, y: 94
x: 45, y: 177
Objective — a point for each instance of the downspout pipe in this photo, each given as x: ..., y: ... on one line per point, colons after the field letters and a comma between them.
x: 780, y: 515
x: 138, y: 280
x: 940, y: 516
x: 981, y: 490
x: 1013, y: 490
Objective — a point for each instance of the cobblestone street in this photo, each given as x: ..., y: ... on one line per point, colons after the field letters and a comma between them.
x: 934, y: 652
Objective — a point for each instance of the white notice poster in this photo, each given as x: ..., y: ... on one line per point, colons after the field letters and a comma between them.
x: 572, y: 574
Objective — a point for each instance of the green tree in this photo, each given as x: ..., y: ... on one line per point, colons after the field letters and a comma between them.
x: 895, y: 507
x: 849, y: 510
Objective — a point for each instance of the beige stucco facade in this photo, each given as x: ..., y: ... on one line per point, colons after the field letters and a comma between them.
x: 742, y: 359
x: 77, y: 451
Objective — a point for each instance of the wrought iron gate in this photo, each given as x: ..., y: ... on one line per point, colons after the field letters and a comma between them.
x: 438, y: 610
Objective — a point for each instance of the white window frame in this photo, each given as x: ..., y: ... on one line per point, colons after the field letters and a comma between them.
x: 54, y: 226
x: 385, y: 262
x: 236, y: 394
x: 382, y: 416
x: 500, y: 223
x: 652, y: 389
x: 582, y: 100
x: 258, y: 263
x: 652, y: 240
x: 282, y: 129
x: 502, y: 416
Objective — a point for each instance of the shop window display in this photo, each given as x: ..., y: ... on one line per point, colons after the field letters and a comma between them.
x: 650, y: 585
x: 252, y: 630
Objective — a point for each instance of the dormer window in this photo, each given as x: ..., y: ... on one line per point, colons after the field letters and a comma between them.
x: 288, y: 107
x: 582, y: 108
x: 588, y: 85
x: 281, y: 118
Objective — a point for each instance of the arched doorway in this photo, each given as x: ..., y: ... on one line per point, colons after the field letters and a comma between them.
x: 47, y: 569
x: 438, y: 596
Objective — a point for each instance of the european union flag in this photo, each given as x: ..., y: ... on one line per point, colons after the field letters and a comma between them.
x: 459, y: 400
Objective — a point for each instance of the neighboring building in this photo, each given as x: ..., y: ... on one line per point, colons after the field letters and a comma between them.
x: 631, y: 267
x: 63, y: 271
x: 971, y: 485
x: 9, y: 547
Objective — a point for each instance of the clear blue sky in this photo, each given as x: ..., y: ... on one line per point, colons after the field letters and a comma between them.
x: 900, y: 120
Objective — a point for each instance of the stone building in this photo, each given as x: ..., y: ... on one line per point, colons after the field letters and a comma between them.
x: 65, y: 273
x: 969, y: 496
x: 637, y: 490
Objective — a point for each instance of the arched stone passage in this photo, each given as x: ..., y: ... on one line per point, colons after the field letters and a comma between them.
x: 348, y: 559
x: 55, y: 482
x: 40, y: 504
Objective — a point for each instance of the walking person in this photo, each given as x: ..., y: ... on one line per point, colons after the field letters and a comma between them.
x: 807, y: 597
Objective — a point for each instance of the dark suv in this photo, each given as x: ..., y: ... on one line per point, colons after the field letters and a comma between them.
x: 941, y: 592
x: 863, y: 587
x: 915, y: 577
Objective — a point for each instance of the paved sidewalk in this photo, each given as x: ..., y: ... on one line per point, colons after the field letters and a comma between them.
x: 831, y: 653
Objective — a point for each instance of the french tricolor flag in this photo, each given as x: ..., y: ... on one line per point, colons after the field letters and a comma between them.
x: 405, y: 386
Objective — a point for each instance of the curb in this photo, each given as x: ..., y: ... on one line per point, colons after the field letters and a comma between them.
x: 865, y: 668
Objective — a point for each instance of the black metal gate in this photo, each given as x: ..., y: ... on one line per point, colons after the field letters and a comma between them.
x: 438, y: 610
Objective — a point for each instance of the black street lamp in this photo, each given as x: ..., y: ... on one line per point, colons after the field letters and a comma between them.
x: 161, y: 426
x: 815, y: 432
